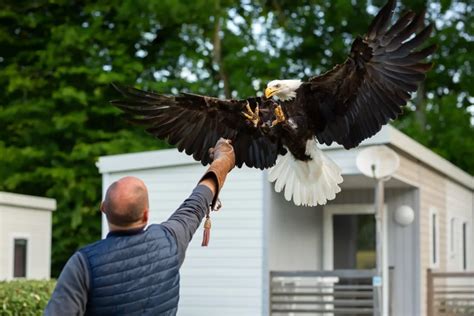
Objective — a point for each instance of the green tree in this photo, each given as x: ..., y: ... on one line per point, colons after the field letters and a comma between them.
x: 441, y: 115
x: 57, y: 61
x: 58, y: 58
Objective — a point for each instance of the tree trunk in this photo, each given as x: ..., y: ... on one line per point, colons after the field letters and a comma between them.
x: 217, y: 53
x: 420, y: 104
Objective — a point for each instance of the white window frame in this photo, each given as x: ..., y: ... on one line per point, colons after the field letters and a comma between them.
x: 452, y: 237
x: 11, y: 260
x: 434, y: 260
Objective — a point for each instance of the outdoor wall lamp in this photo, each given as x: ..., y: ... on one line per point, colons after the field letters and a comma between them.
x: 404, y: 215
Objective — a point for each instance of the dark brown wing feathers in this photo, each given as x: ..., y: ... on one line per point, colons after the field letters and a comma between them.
x: 381, y: 21
x: 375, y: 82
x: 193, y: 123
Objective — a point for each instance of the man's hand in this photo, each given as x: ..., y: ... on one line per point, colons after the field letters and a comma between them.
x: 223, y: 151
x: 223, y: 162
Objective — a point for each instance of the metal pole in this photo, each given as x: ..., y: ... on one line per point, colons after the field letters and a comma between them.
x: 379, y: 210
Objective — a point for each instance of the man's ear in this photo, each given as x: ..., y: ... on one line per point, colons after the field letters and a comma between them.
x: 146, y: 214
x: 102, y: 207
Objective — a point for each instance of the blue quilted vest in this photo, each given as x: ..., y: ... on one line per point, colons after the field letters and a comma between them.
x: 134, y: 273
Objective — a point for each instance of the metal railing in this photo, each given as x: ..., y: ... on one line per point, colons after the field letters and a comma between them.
x: 338, y: 292
x: 450, y: 293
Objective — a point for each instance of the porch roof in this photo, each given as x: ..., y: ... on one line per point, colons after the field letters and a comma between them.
x: 392, y: 137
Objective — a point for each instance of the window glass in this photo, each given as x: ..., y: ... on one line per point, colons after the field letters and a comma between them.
x: 19, y: 257
x: 354, y: 241
x: 464, y: 246
x: 451, y: 235
x: 434, y: 247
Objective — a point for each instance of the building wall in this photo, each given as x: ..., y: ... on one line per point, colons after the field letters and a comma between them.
x: 295, y: 235
x: 34, y: 225
x: 3, y: 247
x: 403, y: 245
x: 459, y: 206
x: 432, y: 195
x: 225, y: 278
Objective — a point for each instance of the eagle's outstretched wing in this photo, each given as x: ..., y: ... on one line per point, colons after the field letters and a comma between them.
x: 371, y: 87
x: 193, y: 123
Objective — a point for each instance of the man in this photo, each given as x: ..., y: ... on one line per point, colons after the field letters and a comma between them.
x: 135, y: 271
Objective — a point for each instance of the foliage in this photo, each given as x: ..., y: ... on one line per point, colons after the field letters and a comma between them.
x: 54, y: 114
x: 57, y: 59
x: 442, y: 114
x: 22, y: 298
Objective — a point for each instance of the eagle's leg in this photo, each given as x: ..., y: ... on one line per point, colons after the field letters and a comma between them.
x: 280, y: 116
x: 252, y: 116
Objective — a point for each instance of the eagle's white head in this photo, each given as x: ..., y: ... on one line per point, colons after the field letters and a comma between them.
x: 284, y: 90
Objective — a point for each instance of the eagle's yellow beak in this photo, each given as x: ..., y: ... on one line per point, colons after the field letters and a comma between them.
x: 271, y: 91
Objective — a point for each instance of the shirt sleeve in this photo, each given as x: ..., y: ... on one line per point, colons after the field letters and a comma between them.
x: 70, y: 294
x: 184, y: 222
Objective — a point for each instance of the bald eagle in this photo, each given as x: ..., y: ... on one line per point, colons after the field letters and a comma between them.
x: 281, y: 130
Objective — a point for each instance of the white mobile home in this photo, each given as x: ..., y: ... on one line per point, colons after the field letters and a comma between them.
x: 258, y: 231
x: 25, y: 236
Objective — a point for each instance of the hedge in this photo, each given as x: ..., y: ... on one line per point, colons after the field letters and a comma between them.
x: 24, y: 297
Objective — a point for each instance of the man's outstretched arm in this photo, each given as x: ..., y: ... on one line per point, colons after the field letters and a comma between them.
x: 184, y: 222
x: 70, y: 294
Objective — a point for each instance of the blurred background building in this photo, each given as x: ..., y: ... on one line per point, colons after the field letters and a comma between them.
x: 25, y: 236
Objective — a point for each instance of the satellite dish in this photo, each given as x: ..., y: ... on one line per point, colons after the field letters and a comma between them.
x: 377, y: 162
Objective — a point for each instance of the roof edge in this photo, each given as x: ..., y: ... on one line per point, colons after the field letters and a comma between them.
x: 29, y: 201
x: 388, y: 135
x: 408, y: 145
x: 143, y: 160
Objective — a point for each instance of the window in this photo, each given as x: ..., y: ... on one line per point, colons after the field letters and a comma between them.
x: 19, y: 257
x: 464, y: 246
x: 433, y: 231
x: 434, y: 238
x: 451, y: 237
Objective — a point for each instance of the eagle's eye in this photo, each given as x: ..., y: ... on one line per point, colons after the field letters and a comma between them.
x: 277, y: 86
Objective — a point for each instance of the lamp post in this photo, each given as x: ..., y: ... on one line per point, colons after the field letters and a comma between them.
x: 379, y: 163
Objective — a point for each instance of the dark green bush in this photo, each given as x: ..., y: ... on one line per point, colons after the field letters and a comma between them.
x: 24, y: 297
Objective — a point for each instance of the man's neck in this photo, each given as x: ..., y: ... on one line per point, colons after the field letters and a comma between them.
x: 113, y: 227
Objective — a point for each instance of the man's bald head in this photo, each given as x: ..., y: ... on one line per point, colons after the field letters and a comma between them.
x: 125, y: 202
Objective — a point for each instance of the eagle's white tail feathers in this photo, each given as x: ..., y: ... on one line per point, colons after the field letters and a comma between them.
x: 309, y: 183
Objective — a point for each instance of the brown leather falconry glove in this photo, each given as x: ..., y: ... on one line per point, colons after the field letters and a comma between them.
x: 223, y: 162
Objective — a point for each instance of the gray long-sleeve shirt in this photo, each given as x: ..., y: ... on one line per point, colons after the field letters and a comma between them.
x: 70, y: 294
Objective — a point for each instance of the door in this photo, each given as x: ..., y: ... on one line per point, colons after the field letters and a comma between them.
x: 354, y: 241
x: 349, y: 237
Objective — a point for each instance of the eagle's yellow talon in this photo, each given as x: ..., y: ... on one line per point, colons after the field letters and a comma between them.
x: 280, y: 116
x: 252, y: 116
